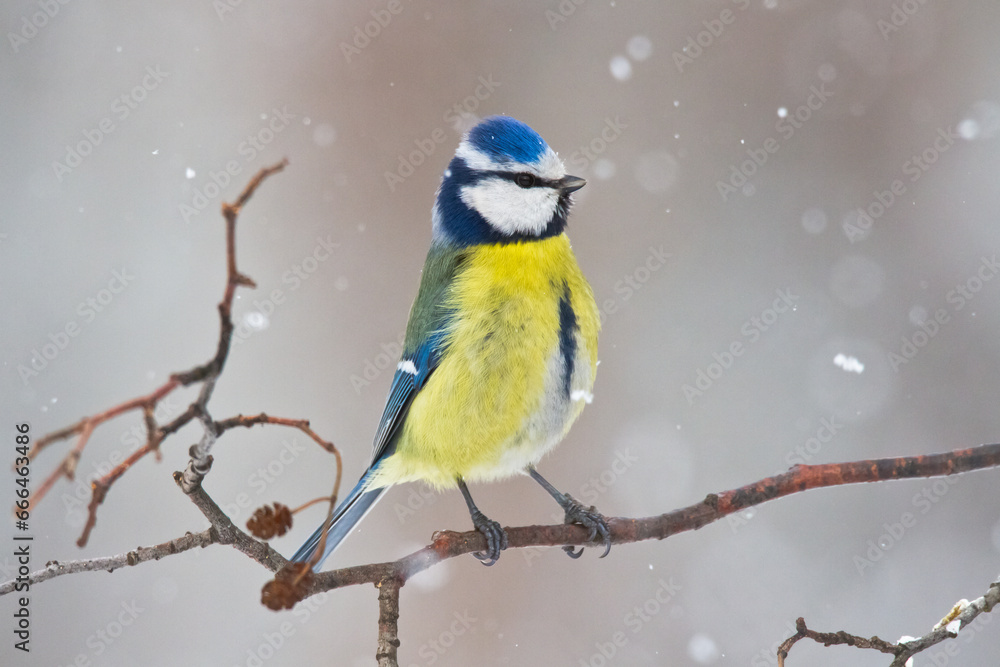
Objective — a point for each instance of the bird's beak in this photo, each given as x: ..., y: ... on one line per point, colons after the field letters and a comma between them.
x: 569, y: 184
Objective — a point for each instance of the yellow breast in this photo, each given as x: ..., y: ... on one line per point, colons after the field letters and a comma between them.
x: 501, y: 396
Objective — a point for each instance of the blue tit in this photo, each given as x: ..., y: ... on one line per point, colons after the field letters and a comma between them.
x: 500, y: 351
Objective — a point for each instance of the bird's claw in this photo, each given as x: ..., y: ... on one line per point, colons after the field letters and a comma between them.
x: 591, y: 519
x: 496, y: 538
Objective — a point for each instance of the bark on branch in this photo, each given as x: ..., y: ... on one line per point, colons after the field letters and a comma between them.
x: 715, y: 506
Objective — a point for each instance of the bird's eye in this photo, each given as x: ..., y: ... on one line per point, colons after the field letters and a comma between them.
x: 525, y: 180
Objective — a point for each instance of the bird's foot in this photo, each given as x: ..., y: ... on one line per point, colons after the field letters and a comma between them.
x: 589, y: 518
x: 496, y: 538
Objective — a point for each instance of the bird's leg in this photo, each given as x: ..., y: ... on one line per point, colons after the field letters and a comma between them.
x: 589, y: 518
x: 496, y: 538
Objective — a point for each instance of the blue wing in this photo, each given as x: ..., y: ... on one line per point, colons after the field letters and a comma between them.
x: 410, y: 377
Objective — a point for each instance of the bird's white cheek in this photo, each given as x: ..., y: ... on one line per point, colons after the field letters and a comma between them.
x: 512, y: 209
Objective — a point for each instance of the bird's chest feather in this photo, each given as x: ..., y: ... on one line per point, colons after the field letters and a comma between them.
x: 513, y: 312
x: 518, y: 350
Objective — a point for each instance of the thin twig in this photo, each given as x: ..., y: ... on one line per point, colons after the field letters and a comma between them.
x: 55, y: 569
x: 133, y: 404
x: 84, y: 428
x: 949, y: 628
x: 201, y: 458
x: 310, y: 503
x: 301, y: 424
x: 831, y: 639
x: 263, y: 418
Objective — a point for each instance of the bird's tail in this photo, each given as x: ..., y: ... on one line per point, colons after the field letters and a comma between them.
x: 347, y: 515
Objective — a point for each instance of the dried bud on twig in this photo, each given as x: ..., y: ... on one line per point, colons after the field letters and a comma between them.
x: 289, y: 585
x: 268, y: 522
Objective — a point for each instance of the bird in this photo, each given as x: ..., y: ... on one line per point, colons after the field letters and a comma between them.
x: 500, y: 352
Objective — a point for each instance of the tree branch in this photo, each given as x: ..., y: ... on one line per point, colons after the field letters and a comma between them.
x: 949, y: 627
x: 56, y: 568
x: 799, y: 478
x: 448, y: 544
x: 224, y: 531
x: 388, y: 619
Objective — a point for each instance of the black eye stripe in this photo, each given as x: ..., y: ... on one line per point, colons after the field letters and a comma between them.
x: 513, y: 176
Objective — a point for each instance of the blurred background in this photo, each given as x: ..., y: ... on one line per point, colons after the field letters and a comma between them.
x: 789, y: 223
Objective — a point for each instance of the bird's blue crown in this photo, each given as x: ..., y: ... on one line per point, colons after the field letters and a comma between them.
x: 507, y: 140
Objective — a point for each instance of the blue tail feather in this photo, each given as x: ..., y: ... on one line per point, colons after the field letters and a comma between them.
x: 351, y: 510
